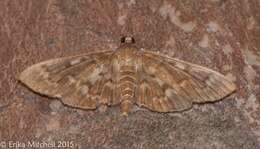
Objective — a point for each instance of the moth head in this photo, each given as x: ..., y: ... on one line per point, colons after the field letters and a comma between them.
x: 127, y: 39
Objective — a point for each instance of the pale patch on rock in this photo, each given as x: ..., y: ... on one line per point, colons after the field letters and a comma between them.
x: 38, y: 132
x: 171, y: 42
x: 237, y: 119
x: 251, y: 106
x: 187, y: 27
x: 251, y: 23
x: 251, y: 103
x: 22, y: 124
x: 53, y: 124
x: 250, y: 74
x: 166, y: 10
x: 7, y: 29
x: 82, y: 112
x: 213, y: 26
x: 258, y: 133
x: 204, y: 43
x: 74, y: 129
x: 131, y: 2
x: 227, y: 49
x: 251, y: 58
x: 102, y: 108
x: 120, y: 5
x: 55, y: 105
x: 153, y: 8
x: 122, y: 19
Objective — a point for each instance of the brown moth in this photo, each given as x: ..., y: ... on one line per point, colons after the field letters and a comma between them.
x: 127, y: 76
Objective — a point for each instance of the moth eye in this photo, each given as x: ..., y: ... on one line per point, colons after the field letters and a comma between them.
x: 127, y: 39
x: 123, y: 40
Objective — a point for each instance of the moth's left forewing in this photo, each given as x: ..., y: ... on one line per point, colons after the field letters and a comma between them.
x: 180, y: 84
x: 205, y: 81
x: 37, y: 76
x: 209, y: 77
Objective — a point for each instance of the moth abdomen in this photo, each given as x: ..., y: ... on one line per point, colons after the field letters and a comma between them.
x: 127, y: 87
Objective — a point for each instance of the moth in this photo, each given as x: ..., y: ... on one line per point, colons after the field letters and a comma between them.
x: 127, y: 76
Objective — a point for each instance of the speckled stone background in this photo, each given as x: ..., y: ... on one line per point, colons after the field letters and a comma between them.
x: 223, y: 35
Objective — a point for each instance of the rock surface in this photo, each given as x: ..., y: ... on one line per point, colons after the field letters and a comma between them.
x: 219, y: 34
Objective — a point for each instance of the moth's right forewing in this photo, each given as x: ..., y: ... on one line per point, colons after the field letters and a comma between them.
x: 77, y: 80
